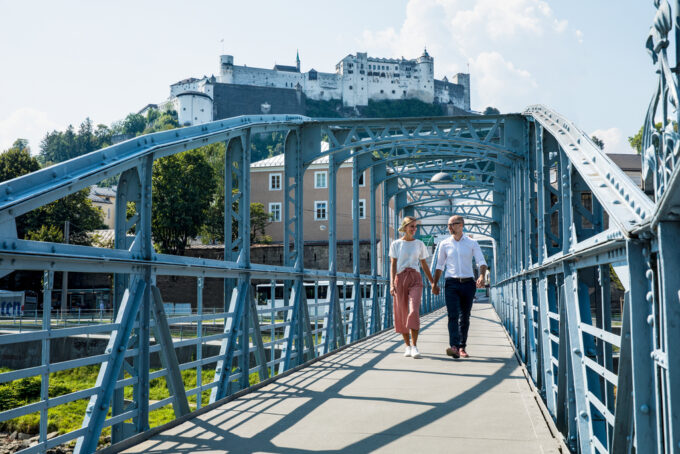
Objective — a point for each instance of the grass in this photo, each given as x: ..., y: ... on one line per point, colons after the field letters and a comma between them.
x: 68, y: 417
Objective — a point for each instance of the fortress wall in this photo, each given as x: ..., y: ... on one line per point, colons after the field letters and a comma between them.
x: 233, y: 100
x: 266, y: 77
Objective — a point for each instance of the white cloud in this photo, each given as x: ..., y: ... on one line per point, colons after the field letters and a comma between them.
x: 499, y: 83
x: 25, y: 123
x: 614, y: 140
x: 485, y: 34
x: 500, y: 19
x: 579, y: 36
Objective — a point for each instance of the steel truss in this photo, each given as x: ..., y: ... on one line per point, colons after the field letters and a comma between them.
x: 557, y: 215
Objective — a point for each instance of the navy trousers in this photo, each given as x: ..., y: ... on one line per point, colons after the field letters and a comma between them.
x: 459, y: 297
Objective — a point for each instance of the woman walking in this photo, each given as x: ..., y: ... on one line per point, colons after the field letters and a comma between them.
x: 406, y: 285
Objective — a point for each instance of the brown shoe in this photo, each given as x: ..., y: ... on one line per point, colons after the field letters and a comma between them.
x: 453, y: 351
x: 463, y: 353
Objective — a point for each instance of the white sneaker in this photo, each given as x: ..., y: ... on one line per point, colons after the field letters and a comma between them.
x: 414, y: 352
x: 407, y: 351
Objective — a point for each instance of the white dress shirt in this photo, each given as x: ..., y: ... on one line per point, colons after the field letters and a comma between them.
x: 455, y: 257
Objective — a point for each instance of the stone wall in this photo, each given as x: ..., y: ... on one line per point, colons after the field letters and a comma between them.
x: 233, y: 100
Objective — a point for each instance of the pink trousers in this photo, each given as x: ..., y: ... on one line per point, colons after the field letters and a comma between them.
x: 409, y: 289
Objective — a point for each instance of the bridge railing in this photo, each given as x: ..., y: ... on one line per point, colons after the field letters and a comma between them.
x: 145, y: 367
x: 588, y: 289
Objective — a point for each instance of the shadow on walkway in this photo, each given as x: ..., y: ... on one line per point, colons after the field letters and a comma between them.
x: 370, y: 398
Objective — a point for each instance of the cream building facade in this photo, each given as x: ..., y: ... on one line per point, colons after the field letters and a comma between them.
x: 266, y: 183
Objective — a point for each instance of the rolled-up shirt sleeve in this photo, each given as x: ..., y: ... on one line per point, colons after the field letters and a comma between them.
x: 441, y: 258
x: 479, y: 257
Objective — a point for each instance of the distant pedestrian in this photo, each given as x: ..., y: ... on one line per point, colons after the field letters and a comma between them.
x: 455, y: 259
x: 407, y: 254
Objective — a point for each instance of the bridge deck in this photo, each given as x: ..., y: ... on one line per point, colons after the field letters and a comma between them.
x: 368, y: 398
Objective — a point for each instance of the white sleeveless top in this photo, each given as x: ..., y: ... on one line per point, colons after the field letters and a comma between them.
x: 408, y: 254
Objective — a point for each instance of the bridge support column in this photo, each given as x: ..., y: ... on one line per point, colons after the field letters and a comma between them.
x: 240, y: 300
x: 358, y: 325
x: 375, y: 300
x: 334, y: 332
x: 641, y: 300
x: 387, y: 315
x: 297, y: 331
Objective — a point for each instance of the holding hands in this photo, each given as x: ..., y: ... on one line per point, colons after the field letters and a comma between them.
x: 435, y: 288
x: 480, y: 281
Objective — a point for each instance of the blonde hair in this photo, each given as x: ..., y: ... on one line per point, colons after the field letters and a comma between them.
x: 406, y: 221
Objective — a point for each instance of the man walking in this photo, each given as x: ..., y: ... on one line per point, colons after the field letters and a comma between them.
x: 455, y: 259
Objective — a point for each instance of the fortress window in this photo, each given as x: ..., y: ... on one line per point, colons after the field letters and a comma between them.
x: 404, y: 91
x: 392, y: 91
x: 381, y: 91
x: 350, y: 87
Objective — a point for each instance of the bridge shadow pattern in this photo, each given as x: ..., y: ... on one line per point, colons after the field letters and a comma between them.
x: 255, y: 422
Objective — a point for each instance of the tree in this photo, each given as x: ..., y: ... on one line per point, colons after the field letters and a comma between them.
x: 598, y: 142
x: 76, y: 208
x: 213, y: 229
x: 134, y: 124
x: 266, y: 145
x: 491, y: 111
x: 183, y: 186
x: 160, y: 121
x: 42, y: 223
x: 259, y: 220
x: 61, y: 146
x: 17, y: 161
x: 636, y: 140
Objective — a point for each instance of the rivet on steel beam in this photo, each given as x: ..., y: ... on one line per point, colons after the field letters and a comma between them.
x: 649, y: 297
x: 584, y: 414
x: 644, y: 409
x: 650, y: 320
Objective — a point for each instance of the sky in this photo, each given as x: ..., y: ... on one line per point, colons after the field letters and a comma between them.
x: 64, y: 61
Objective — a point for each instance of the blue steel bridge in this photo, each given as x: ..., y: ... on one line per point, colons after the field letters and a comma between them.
x: 560, y: 218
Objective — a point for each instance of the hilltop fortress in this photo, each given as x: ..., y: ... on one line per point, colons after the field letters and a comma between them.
x: 357, y: 79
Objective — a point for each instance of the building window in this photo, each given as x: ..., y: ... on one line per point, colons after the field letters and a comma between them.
x: 362, y: 209
x: 350, y: 87
x: 321, y: 179
x: 321, y: 210
x: 392, y: 91
x: 382, y: 91
x: 275, y: 211
x: 362, y: 181
x: 274, y: 181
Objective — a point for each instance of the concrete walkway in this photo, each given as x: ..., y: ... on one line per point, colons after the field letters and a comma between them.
x: 370, y: 398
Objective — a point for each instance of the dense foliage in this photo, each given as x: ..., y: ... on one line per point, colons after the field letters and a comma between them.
x: 46, y: 223
x: 183, y: 185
